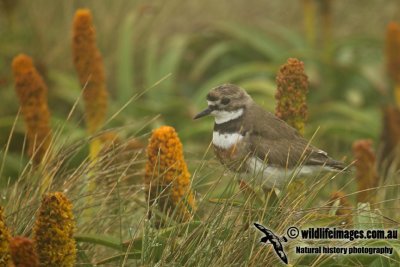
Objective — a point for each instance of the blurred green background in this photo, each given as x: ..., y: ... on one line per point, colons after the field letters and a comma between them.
x: 166, y: 55
x: 191, y: 46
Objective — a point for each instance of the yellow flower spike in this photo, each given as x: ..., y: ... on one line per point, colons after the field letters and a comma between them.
x: 309, y: 18
x: 23, y: 252
x: 54, y: 230
x: 326, y: 18
x: 5, y: 237
x: 366, y: 174
x: 393, y: 57
x: 32, y: 93
x: 167, y: 178
x: 90, y: 68
x: 292, y: 85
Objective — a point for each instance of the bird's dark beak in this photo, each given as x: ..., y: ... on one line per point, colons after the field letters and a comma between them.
x: 205, y: 112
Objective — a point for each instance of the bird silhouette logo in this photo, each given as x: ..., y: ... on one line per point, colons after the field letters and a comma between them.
x: 275, y: 240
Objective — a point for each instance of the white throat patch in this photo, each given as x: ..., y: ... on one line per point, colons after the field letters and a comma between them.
x: 226, y: 140
x: 222, y: 116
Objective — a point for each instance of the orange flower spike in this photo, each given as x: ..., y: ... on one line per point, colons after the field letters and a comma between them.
x: 390, y: 139
x: 291, y: 94
x: 167, y: 177
x: 393, y: 56
x: 32, y: 93
x: 90, y: 68
x: 5, y: 237
x: 393, y: 51
x: 366, y: 173
x: 54, y: 231
x: 23, y: 252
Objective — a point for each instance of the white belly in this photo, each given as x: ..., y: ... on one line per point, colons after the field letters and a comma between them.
x: 276, y: 177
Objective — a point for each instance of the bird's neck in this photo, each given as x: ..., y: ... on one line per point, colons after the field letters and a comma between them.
x: 231, y: 123
x: 223, y: 116
x: 228, y: 128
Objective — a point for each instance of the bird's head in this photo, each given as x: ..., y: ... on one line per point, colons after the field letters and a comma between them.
x: 225, y: 102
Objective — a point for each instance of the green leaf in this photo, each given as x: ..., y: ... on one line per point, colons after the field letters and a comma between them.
x: 69, y: 87
x: 367, y: 219
x: 151, y: 61
x: 256, y: 39
x: 379, y: 261
x: 171, y: 60
x: 292, y: 38
x: 347, y: 111
x: 125, y: 67
x: 96, y: 239
x: 209, y: 57
x: 357, y: 42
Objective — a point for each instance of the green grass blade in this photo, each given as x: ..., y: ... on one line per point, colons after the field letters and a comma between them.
x: 120, y: 257
x: 83, y: 258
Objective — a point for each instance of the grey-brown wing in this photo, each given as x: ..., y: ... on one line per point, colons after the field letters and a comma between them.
x: 274, y: 141
x: 279, y: 152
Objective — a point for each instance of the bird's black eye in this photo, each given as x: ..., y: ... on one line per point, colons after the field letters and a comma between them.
x: 225, y: 101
